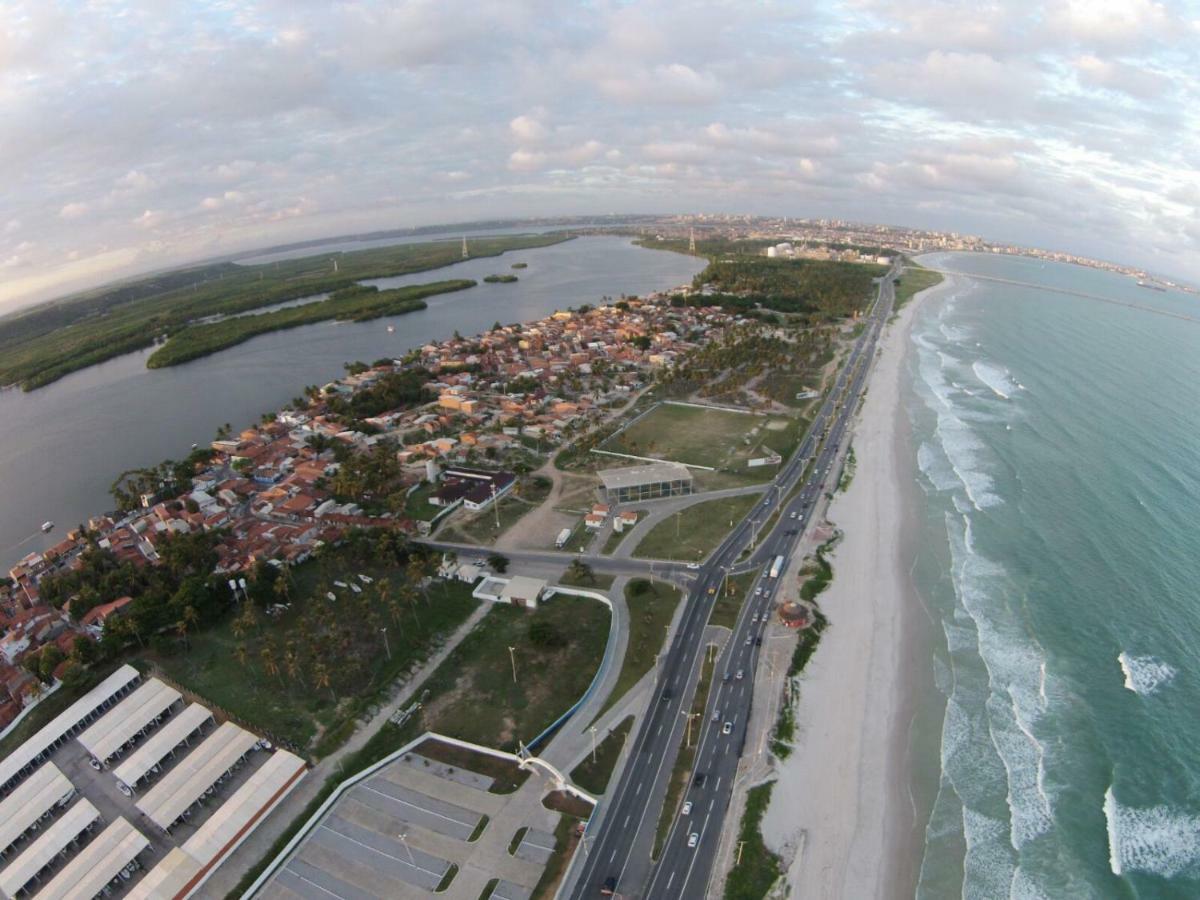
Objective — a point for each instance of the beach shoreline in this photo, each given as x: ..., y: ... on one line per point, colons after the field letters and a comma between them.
x: 844, y: 797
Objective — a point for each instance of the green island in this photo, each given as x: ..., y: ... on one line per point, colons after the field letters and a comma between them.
x: 520, y: 265
x: 42, y: 344
x: 357, y: 303
x: 500, y: 279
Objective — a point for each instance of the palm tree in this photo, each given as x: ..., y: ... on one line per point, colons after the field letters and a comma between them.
x: 270, y: 665
x: 321, y: 679
x: 239, y: 653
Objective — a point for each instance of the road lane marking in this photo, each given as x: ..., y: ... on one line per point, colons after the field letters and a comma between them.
x: 626, y: 825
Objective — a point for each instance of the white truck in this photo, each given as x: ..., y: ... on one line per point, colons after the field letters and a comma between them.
x: 777, y: 567
x: 563, y: 537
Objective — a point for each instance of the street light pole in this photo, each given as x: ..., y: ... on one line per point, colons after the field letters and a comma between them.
x: 403, y: 835
x: 593, y: 731
x: 512, y: 657
x: 386, y: 645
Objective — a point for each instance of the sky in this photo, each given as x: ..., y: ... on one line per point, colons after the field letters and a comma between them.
x: 140, y: 135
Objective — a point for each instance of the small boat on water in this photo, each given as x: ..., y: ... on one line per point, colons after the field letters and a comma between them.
x: 47, y: 526
x: 391, y: 329
x: 1152, y: 286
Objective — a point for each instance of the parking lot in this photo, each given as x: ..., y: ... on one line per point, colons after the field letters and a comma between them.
x: 414, y: 826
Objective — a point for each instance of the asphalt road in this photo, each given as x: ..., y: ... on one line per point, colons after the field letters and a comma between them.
x: 620, y: 847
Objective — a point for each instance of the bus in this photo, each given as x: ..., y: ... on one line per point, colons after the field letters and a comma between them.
x: 777, y: 567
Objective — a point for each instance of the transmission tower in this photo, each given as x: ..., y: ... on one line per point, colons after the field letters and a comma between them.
x: 692, y: 241
x: 466, y: 254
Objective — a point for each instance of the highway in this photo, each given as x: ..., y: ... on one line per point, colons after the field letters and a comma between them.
x: 621, y: 845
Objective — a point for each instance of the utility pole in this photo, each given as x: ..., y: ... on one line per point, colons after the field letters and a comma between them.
x: 593, y: 731
x: 512, y: 657
x: 495, y: 505
x: 739, y: 859
x: 386, y: 645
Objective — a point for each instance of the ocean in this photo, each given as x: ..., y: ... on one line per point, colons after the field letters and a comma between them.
x: 1058, y: 443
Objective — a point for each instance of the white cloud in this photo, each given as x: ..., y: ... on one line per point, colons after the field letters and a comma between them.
x: 1070, y: 123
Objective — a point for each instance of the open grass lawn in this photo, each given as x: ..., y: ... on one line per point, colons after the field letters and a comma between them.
x: 293, y: 707
x: 593, y: 774
x: 687, y: 434
x: 587, y: 580
x: 730, y: 599
x: 651, y: 606
x: 613, y: 541
x: 695, y: 532
x: 417, y: 506
x: 913, y: 280
x: 759, y: 868
x: 472, y: 695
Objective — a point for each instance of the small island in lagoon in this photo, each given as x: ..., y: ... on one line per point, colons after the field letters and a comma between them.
x: 500, y: 279
x: 520, y: 265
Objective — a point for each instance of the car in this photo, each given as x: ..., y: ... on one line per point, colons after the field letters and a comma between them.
x: 666, y: 694
x: 754, y: 619
x: 693, y: 566
x: 727, y: 728
x: 699, y: 779
x: 758, y: 592
x: 748, y: 640
x: 726, y: 677
x: 793, y: 515
x: 687, y: 809
x: 610, y: 886
x: 693, y: 839
x: 758, y: 642
x: 711, y: 591
x: 741, y: 673
x: 716, y: 715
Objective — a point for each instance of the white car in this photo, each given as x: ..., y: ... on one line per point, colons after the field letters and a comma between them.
x: 687, y: 809
x: 727, y: 728
x: 693, y: 565
x: 754, y: 619
x: 693, y: 839
x: 758, y: 592
x: 741, y: 673
x: 793, y: 515
x: 716, y: 715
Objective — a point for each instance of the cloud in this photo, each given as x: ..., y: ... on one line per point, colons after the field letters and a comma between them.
x: 180, y: 134
x: 529, y: 128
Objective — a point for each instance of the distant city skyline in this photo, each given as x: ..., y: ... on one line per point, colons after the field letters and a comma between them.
x: 138, y: 139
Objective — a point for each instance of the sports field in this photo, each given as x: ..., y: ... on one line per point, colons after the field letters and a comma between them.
x: 697, y: 436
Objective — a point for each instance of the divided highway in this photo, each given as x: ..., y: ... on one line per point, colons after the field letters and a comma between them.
x: 617, y: 855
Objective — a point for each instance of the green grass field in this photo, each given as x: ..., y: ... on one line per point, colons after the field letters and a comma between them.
x: 472, y: 695
x: 593, y: 775
x: 695, y: 436
x: 695, y: 532
x: 291, y: 707
x: 651, y: 607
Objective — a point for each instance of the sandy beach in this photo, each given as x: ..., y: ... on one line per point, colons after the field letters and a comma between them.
x: 843, y: 796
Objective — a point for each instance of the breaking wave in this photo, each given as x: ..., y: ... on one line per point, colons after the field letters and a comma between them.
x: 1157, y: 839
x: 1144, y: 674
x: 995, y: 377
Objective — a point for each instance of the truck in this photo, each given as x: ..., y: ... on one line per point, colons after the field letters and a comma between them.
x: 777, y: 567
x: 563, y: 537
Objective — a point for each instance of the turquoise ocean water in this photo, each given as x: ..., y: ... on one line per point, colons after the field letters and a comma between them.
x: 1058, y: 442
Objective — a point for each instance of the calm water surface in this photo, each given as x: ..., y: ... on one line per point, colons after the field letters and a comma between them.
x: 61, y: 446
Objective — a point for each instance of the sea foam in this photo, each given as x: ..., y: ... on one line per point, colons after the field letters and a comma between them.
x: 1144, y: 674
x: 1156, y: 839
x: 995, y: 377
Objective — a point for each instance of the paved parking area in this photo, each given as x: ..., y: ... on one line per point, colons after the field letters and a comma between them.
x: 506, y: 890
x: 536, y: 846
x: 397, y: 834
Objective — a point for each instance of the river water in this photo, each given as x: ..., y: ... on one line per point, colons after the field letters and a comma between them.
x: 62, y: 445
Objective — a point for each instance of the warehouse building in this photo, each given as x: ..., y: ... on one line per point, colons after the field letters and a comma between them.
x: 652, y: 482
